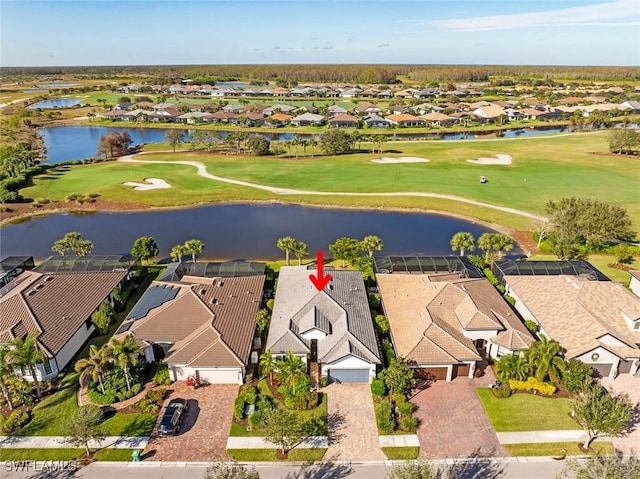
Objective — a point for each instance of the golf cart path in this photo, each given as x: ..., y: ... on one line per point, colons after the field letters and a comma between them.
x: 202, y: 171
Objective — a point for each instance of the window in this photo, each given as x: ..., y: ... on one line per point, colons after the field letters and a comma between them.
x: 636, y: 325
x: 47, y: 368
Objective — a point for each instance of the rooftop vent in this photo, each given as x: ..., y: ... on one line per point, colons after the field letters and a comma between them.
x: 40, y: 286
x: 203, y: 291
x: 31, y: 293
x: 48, y: 278
x: 213, y: 300
x: 221, y: 284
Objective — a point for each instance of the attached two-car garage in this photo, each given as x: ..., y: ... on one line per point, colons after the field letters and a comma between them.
x: 348, y: 375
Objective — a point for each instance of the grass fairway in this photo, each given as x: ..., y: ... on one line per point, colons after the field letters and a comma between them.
x: 526, y: 412
x: 542, y: 169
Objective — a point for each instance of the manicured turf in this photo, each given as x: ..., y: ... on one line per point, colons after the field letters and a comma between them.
x: 401, y: 453
x: 259, y: 455
x: 542, y: 169
x: 62, y: 454
x: 556, y: 449
x: 527, y: 412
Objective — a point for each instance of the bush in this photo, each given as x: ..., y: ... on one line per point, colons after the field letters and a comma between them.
x: 624, y: 253
x: 149, y: 406
x: 313, y: 400
x: 378, y: 388
x: 510, y: 299
x: 289, y: 402
x: 258, y: 418
x: 238, y: 408
x: 15, y: 421
x: 161, y: 377
x: 405, y: 408
x: 398, y: 398
x: 249, y: 394
x: 532, y: 384
x: 577, y: 377
x: 384, y: 418
x: 374, y: 301
x: 502, y: 392
x: 409, y: 424
x: 389, y: 353
x: 532, y: 325
x: 98, y: 398
x: 381, y: 324
x: 323, y: 381
x: 156, y: 395
x: 264, y: 403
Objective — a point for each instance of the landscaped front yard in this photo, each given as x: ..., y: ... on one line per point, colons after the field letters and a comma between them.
x: 527, y: 412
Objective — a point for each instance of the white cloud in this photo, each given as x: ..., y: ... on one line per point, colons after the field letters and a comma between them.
x: 590, y: 15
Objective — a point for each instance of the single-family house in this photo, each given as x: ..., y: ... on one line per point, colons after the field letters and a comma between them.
x: 489, y: 114
x: 234, y: 108
x: 594, y: 319
x: 634, y: 284
x: 438, y: 119
x: 307, y: 119
x: 55, y: 300
x: 199, y: 322
x: 337, y: 110
x: 631, y: 105
x: 223, y: 117
x: 251, y: 118
x: 329, y: 329
x: 343, y: 121
x: 279, y: 108
x: 367, y: 108
x: 427, y: 93
x: 406, y: 120
x: 278, y: 120
x: 444, y: 318
x: 376, y: 121
x: 193, y: 117
x: 350, y: 92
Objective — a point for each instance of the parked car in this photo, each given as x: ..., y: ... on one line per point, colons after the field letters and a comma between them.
x: 172, y: 417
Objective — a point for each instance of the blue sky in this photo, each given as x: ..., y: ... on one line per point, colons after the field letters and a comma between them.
x: 145, y: 32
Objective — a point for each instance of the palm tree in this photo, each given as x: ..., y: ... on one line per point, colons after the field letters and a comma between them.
x: 193, y: 246
x: 512, y: 366
x: 286, y: 244
x: 463, y: 241
x: 372, y: 243
x: 300, y: 251
x: 304, y: 143
x: 296, y: 143
x: 26, y: 353
x: 312, y: 143
x: 125, y: 354
x: 545, y: 359
x: 268, y: 364
x: 177, y: 252
x: 289, y: 370
x: 95, y: 364
x: 7, y: 372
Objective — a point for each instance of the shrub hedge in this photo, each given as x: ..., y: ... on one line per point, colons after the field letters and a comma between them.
x: 532, y: 384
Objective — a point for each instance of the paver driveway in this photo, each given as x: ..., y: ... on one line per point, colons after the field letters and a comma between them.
x: 353, y: 435
x: 205, y: 428
x: 629, y: 443
x: 453, y: 422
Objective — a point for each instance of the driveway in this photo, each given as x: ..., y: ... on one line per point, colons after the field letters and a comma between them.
x: 453, y: 422
x: 629, y: 443
x: 205, y: 428
x: 353, y: 435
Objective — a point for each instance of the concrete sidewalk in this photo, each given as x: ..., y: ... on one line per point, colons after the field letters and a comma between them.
x: 51, y: 442
x: 526, y: 437
x: 261, y: 443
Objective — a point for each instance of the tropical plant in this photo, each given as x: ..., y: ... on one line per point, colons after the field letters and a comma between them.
x: 511, y: 366
x: 463, y: 242
x: 545, y: 359
x: 101, y: 321
x: 145, y: 248
x: 372, y: 243
x: 262, y: 320
x: 494, y: 245
x: 7, y: 371
x: 398, y: 377
x: 300, y: 250
x: 578, y: 376
x: 95, y: 364
x: 75, y: 242
x: 289, y: 371
x: 267, y: 364
x: 26, y: 353
x: 286, y: 244
x: 193, y: 246
x: 177, y: 252
x: 345, y: 249
x: 125, y: 353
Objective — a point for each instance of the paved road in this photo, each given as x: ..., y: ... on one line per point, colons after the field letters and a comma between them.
x: 544, y: 469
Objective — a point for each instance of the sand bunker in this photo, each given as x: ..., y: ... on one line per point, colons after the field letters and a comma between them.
x: 498, y: 160
x: 149, y: 184
x: 402, y: 159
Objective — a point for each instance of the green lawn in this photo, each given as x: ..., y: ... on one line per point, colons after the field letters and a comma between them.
x: 401, y: 453
x: 51, y: 416
x: 542, y: 169
x: 268, y: 455
x: 62, y: 454
x: 555, y: 449
x: 526, y: 412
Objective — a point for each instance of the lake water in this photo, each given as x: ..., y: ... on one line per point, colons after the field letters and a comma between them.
x: 57, y: 85
x: 57, y: 103
x: 239, y: 231
x: 66, y: 143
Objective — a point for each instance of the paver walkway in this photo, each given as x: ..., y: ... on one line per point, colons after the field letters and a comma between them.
x: 353, y: 435
x: 55, y: 442
x: 629, y: 442
x: 453, y: 422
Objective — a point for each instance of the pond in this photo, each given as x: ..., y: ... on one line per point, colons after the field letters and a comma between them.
x: 60, y: 84
x: 240, y: 230
x: 56, y: 103
x: 66, y: 143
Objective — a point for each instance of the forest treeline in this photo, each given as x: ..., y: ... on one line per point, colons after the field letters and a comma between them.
x: 292, y: 74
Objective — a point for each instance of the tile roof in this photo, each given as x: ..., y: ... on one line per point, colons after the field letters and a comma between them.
x: 429, y: 314
x: 342, y: 309
x: 210, y: 320
x: 578, y: 312
x: 635, y: 273
x: 55, y: 304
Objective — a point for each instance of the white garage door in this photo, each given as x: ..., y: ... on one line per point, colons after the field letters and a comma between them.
x: 219, y: 376
x: 348, y: 375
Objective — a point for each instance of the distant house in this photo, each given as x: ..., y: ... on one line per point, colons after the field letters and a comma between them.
x: 278, y: 120
x: 489, y: 114
x: 594, y: 319
x: 307, y: 119
x: 279, y: 108
x: 444, y: 322
x: 193, y: 117
x: 634, y: 285
x: 405, y: 119
x: 337, y: 110
x: 331, y: 329
x: 375, y: 121
x: 368, y: 108
x: 251, y: 118
x: 343, y: 121
x: 438, y: 119
x: 234, y: 108
x: 631, y: 105
x: 197, y: 323
x: 55, y: 300
x: 224, y: 117
x: 427, y: 93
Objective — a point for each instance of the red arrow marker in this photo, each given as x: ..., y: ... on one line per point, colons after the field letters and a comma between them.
x: 320, y: 281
